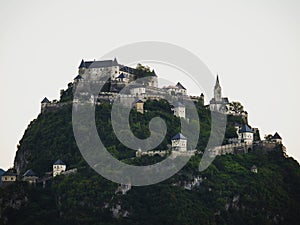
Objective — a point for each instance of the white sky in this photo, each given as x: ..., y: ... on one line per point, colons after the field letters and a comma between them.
x: 253, y: 45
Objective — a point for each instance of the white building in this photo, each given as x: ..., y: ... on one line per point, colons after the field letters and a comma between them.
x: 254, y: 169
x: 179, y: 142
x: 218, y: 103
x: 245, y: 134
x: 276, y: 138
x: 58, y: 168
x: 137, y: 90
x: 179, y: 110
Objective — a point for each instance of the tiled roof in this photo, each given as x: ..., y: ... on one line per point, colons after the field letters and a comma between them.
x: 59, y: 162
x: 178, y: 136
x: 246, y: 129
x: 45, y: 100
x: 276, y: 136
x: 29, y: 173
x: 180, y: 86
x: 121, y: 76
x: 9, y: 173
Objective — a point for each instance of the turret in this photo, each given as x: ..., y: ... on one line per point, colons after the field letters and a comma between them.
x: 218, y: 90
x: 202, y: 99
x: 179, y: 142
x: 82, y: 67
x: 44, y: 104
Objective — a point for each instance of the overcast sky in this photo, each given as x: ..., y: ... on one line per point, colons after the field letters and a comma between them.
x: 253, y: 45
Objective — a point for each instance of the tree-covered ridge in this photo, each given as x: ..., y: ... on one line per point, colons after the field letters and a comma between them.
x: 229, y: 193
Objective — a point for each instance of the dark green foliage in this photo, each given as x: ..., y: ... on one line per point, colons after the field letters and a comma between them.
x: 229, y: 192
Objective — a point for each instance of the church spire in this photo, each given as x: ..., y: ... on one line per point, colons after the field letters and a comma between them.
x: 217, y: 82
x: 218, y: 90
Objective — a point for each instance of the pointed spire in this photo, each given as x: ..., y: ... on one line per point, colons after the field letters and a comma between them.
x: 217, y: 82
x: 115, y: 62
x: 82, y: 64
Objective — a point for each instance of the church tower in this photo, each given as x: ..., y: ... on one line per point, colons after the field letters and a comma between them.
x: 218, y: 90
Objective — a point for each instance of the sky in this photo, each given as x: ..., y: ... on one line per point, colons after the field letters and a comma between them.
x: 254, y: 46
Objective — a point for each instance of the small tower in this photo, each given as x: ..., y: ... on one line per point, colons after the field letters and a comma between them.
x: 30, y: 177
x: 179, y: 110
x: 58, y: 168
x: 276, y: 138
x: 44, y: 104
x: 246, y: 134
x: 181, y: 88
x: 202, y: 99
x: 139, y: 106
x: 179, y: 143
x: 82, y: 67
x: 254, y: 169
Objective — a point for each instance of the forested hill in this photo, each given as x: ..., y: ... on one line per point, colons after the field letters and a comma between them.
x: 226, y: 193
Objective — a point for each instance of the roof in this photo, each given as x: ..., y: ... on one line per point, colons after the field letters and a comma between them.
x: 29, y: 173
x: 82, y: 64
x: 178, y: 136
x: 9, y: 173
x: 276, y: 136
x: 179, y: 104
x: 180, y: 86
x: 253, y: 167
x: 59, y: 162
x: 139, y: 101
x: 45, y: 100
x: 78, y: 77
x: 122, y: 75
x: 246, y: 129
x: 101, y: 64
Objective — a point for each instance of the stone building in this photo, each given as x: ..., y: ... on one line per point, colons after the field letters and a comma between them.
x: 218, y: 103
x: 58, y: 168
x: 276, y: 138
x: 30, y: 177
x: 254, y: 169
x: 179, y: 143
x: 139, y: 105
x: 9, y: 177
x: 245, y: 134
x: 93, y: 70
x: 179, y: 110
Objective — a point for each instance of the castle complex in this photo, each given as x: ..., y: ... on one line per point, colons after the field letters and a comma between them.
x: 133, y: 86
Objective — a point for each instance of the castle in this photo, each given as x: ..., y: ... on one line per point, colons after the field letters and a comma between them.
x: 120, y: 76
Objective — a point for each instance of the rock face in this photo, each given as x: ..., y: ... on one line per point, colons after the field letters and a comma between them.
x: 20, y: 162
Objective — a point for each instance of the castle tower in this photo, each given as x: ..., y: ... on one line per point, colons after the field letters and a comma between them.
x: 179, y: 110
x: 202, y: 99
x: 218, y: 90
x: 139, y: 106
x: 246, y: 134
x: 59, y: 167
x: 82, y: 67
x: 44, y: 104
x: 179, y: 143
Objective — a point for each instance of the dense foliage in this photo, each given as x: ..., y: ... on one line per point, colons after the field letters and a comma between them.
x: 227, y: 194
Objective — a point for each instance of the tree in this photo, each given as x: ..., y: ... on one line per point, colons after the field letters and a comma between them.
x: 236, y: 107
x: 268, y: 137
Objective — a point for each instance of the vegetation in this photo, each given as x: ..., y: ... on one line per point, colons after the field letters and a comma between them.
x: 228, y: 193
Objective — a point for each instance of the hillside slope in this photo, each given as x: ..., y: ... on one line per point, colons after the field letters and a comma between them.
x: 226, y: 193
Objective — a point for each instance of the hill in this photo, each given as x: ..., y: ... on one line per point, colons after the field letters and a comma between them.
x: 226, y: 193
